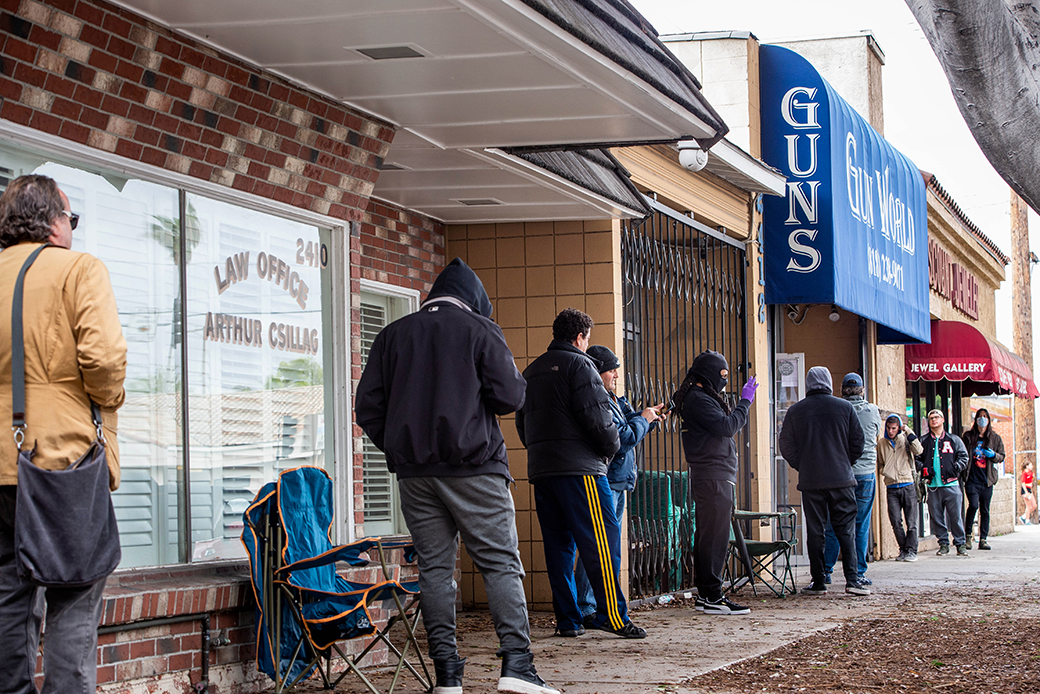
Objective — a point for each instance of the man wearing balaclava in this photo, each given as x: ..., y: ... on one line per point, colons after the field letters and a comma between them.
x: 822, y: 438
x: 709, y: 424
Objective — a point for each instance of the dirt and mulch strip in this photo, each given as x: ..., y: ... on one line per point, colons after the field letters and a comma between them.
x: 937, y: 641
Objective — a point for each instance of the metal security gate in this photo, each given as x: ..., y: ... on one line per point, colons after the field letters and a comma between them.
x: 683, y: 287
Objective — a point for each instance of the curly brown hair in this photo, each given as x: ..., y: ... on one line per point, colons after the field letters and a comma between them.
x: 28, y: 208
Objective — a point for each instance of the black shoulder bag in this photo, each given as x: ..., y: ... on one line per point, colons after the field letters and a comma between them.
x: 65, y: 532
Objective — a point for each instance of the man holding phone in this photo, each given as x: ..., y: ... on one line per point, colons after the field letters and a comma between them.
x: 621, y: 473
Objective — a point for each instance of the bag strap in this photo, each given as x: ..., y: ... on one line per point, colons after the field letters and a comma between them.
x: 18, y: 358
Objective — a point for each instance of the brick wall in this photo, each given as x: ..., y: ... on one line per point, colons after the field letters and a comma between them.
x: 99, y: 75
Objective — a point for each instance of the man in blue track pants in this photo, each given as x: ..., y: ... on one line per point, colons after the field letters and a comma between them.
x: 569, y: 431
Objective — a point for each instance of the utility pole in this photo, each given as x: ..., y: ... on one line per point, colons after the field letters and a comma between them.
x: 1021, y: 293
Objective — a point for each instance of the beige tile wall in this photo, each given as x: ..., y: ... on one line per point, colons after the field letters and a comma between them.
x: 531, y: 272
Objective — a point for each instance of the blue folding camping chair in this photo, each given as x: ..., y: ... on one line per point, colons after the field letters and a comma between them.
x: 303, y: 606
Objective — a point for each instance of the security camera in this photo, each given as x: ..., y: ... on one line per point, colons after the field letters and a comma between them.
x: 691, y: 156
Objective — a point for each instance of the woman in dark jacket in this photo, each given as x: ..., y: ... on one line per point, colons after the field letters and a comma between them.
x: 986, y: 451
x: 709, y: 424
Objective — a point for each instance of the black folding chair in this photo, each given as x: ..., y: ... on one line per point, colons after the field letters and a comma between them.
x: 766, y: 561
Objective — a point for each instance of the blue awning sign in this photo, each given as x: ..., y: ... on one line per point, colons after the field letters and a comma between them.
x: 852, y: 229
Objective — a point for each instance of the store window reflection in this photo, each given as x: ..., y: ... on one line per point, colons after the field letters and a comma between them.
x: 254, y: 341
x: 125, y: 223
x: 255, y: 344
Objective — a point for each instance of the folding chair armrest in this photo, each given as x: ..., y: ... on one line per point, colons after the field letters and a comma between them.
x: 344, y: 553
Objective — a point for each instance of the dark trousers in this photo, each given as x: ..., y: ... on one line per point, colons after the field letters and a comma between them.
x: 713, y: 509
x: 576, y: 514
x: 979, y: 496
x: 839, y: 507
x: 902, y: 502
x: 73, y: 614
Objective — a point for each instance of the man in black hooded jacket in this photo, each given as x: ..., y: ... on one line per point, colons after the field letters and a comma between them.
x: 428, y: 397
x: 822, y: 438
x: 569, y: 431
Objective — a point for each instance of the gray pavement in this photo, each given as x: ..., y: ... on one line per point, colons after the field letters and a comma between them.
x: 683, y: 643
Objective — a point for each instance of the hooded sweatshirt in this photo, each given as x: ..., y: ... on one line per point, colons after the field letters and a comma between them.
x: 870, y: 420
x: 892, y: 457
x: 435, y: 380
x: 707, y: 429
x: 821, y: 436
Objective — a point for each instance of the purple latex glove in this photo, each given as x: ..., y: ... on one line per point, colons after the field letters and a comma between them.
x: 748, y: 391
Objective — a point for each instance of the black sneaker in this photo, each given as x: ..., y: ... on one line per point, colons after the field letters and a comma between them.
x: 698, y: 603
x: 589, y: 621
x: 449, y: 675
x: 984, y: 545
x: 864, y: 581
x: 724, y: 606
x: 815, y: 589
x: 571, y: 633
x: 856, y: 589
x: 629, y: 631
x: 518, y: 675
x: 943, y: 549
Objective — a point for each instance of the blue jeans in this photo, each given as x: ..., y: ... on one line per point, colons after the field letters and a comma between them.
x: 586, y: 598
x: 864, y: 506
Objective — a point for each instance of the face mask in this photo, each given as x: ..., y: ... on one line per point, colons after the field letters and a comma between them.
x: 983, y: 422
x: 722, y: 383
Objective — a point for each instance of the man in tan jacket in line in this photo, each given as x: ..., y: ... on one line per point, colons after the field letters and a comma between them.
x: 74, y: 353
x: 896, y: 448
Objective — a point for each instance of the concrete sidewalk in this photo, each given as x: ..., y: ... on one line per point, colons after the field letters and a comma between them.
x: 683, y: 643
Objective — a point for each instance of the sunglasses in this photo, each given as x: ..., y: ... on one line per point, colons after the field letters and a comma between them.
x: 73, y: 218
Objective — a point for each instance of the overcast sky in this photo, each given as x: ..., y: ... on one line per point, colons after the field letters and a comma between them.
x: 921, y: 118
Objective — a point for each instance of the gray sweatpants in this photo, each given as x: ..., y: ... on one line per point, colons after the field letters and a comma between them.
x: 480, y: 508
x: 70, y: 651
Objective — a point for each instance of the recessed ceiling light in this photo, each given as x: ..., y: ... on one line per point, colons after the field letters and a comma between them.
x: 478, y: 202
x: 390, y: 52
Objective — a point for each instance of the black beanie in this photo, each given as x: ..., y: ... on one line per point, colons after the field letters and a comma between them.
x: 604, y: 358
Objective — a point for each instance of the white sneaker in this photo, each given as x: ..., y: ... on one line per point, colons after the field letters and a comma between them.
x: 911, y: 557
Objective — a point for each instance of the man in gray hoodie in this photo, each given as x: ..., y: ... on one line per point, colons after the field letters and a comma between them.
x: 870, y: 419
x: 822, y: 438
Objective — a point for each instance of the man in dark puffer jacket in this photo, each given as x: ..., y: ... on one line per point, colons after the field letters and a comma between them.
x: 432, y: 386
x: 821, y: 438
x: 569, y: 431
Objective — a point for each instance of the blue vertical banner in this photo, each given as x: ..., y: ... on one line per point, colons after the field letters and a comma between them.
x: 852, y: 228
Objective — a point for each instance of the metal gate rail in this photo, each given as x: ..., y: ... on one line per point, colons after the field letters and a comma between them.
x: 683, y: 292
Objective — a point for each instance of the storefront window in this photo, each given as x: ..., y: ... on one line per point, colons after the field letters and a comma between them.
x: 255, y: 342
x: 256, y: 349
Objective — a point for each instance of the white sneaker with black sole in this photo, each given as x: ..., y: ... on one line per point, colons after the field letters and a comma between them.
x: 724, y: 606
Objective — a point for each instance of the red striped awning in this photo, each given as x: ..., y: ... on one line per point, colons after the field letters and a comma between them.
x: 959, y: 352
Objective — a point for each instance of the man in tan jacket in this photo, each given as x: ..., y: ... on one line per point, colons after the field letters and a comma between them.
x: 896, y: 448
x: 74, y: 353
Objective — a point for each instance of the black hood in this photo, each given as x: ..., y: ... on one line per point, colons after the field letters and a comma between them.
x: 459, y: 281
x: 707, y: 367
